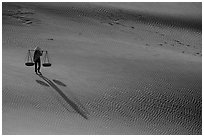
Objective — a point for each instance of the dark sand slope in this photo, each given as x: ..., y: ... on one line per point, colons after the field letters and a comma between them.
x: 114, y: 70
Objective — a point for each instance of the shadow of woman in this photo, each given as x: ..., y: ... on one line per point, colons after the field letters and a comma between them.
x: 69, y: 101
x: 42, y: 83
x: 59, y: 83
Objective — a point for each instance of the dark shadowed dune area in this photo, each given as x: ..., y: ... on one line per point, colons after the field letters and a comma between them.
x: 97, y: 11
x: 117, y: 69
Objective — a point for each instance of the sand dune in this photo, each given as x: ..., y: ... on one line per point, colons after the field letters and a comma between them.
x: 115, y: 69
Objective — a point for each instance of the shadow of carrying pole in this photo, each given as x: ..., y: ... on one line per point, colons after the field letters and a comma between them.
x: 71, y: 103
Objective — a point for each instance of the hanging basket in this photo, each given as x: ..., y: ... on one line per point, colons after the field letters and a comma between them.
x: 46, y: 60
x: 29, y: 60
x: 29, y: 63
x: 46, y: 64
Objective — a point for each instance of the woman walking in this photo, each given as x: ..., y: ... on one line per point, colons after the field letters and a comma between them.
x: 37, y: 53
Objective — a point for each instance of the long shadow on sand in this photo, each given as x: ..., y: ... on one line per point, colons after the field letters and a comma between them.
x: 42, y: 83
x: 59, y: 83
x: 70, y: 102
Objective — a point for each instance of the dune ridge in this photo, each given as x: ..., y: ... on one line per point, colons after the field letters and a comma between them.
x: 115, y: 14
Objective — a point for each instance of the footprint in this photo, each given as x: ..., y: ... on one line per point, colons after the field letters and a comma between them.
x: 51, y: 39
x: 28, y: 22
x: 181, y: 43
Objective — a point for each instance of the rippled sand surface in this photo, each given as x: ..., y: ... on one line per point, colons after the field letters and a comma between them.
x: 115, y: 69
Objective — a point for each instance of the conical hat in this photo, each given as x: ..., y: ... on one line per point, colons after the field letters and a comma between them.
x: 37, y: 48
